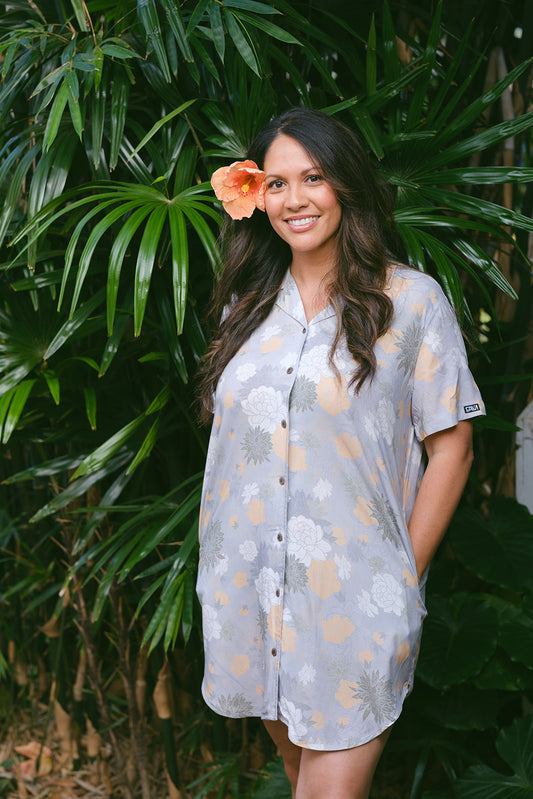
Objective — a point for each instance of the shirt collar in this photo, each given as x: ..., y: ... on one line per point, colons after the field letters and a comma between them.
x: 289, y: 300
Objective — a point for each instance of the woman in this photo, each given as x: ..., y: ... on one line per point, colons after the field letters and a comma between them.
x: 332, y: 371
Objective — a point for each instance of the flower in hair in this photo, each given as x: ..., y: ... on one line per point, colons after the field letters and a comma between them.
x: 240, y: 187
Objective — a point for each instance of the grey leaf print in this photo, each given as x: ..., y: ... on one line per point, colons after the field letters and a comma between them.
x: 375, y: 694
x: 381, y: 510
x: 295, y: 575
x: 410, y: 347
x: 256, y: 445
x: 234, y: 706
x: 211, y: 546
x: 303, y: 394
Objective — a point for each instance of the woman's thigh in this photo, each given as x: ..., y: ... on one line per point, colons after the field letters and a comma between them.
x: 342, y: 774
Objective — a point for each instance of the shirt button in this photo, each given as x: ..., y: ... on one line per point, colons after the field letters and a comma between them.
x: 290, y: 370
x: 282, y: 481
x: 279, y: 537
x: 304, y: 330
x: 274, y: 652
x: 278, y: 592
x: 283, y: 423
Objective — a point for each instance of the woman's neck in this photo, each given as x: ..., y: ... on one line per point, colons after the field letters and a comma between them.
x: 313, y: 282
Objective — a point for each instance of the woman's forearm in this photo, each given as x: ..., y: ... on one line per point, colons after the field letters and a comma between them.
x: 450, y: 457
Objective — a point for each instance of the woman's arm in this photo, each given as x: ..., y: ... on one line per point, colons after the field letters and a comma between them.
x: 450, y: 456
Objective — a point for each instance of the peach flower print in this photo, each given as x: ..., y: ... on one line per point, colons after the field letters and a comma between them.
x: 240, y: 187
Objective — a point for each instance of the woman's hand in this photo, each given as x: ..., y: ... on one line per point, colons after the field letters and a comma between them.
x: 450, y: 456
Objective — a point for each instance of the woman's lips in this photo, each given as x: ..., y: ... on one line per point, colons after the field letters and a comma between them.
x: 302, y: 222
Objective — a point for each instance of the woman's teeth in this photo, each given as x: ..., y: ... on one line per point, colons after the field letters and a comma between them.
x: 306, y: 220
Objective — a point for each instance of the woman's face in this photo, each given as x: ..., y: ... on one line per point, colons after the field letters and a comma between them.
x: 301, y: 205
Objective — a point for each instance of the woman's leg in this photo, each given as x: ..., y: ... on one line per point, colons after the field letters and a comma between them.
x: 289, y: 752
x: 343, y: 774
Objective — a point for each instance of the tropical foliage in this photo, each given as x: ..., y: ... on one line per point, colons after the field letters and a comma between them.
x: 112, y: 118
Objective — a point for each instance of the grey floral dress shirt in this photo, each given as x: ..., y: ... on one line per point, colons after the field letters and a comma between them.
x: 312, y: 611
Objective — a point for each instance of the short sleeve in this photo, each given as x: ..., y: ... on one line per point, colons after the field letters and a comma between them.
x: 444, y: 390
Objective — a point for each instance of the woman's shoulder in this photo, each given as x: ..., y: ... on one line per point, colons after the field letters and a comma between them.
x: 408, y: 283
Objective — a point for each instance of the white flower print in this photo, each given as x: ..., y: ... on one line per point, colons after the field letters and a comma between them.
x: 222, y: 566
x: 387, y: 593
x: 245, y: 371
x: 267, y: 585
x: 315, y: 363
x: 293, y: 716
x: 365, y: 604
x: 211, y: 627
x: 288, y: 360
x: 306, y: 540
x: 248, y: 550
x: 287, y: 616
x: 322, y: 490
x: 344, y: 567
x: 433, y: 340
x: 264, y: 408
x: 380, y: 424
x: 268, y: 332
x: 307, y: 674
x: 250, y: 490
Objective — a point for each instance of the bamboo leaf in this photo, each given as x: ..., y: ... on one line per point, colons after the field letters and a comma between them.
x: 18, y: 399
x: 427, y: 63
x: 243, y: 47
x: 168, y: 322
x: 99, y: 457
x: 53, y: 384
x: 146, y: 447
x: 12, y: 198
x: 145, y: 263
x: 269, y: 28
x: 78, y: 488
x: 250, y: 5
x: 113, y: 341
x: 96, y: 235
x: 447, y: 83
x: 175, y: 20
x: 100, y: 512
x: 478, y: 208
x: 55, y: 115
x: 116, y: 258
x: 474, y: 110
x: 371, y: 59
x: 180, y: 263
x: 90, y: 405
x: 480, y: 141
x: 147, y: 13
x: 159, y: 124
x: 391, y: 62
x: 71, y: 247
x: 67, y: 330
x: 119, y: 106
x: 478, y: 176
x: 74, y: 102
x: 80, y: 10
x: 98, y: 101
x: 217, y: 29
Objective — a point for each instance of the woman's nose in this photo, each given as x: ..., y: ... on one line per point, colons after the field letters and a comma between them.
x: 296, y: 196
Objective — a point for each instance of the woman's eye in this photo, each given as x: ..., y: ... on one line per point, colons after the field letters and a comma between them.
x: 275, y: 184
x: 314, y: 178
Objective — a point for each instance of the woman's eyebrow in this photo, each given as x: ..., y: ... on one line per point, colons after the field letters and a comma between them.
x: 303, y: 172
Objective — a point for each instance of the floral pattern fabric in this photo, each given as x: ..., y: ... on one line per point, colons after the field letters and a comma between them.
x: 312, y: 611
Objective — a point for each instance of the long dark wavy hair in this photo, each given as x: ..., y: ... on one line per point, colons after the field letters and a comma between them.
x: 256, y: 259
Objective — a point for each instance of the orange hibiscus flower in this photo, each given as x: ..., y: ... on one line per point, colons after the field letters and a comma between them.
x: 240, y: 187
